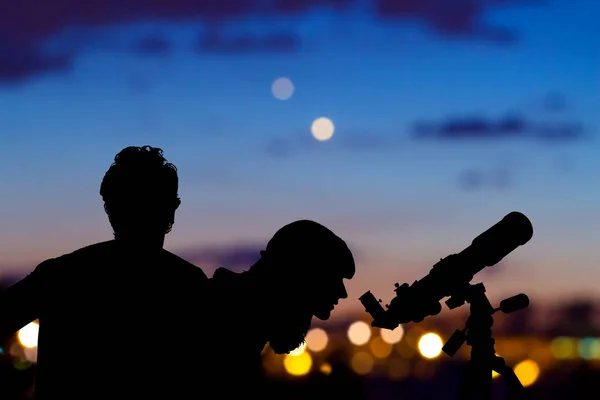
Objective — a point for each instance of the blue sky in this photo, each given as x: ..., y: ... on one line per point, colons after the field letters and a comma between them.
x: 491, y: 85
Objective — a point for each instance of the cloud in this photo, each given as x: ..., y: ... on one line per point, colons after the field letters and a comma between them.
x: 554, y: 103
x: 236, y: 257
x: 509, y: 127
x: 475, y: 179
x: 457, y: 18
x: 19, y: 63
x: 153, y: 45
x: 450, y: 130
x: 279, y: 42
x: 29, y: 25
x: 300, y: 143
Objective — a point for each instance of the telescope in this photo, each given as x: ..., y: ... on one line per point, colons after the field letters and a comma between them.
x: 451, y: 276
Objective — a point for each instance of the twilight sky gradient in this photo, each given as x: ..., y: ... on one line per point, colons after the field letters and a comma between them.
x: 447, y: 118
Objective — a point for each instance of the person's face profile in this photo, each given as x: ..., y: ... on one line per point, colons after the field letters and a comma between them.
x: 327, y: 292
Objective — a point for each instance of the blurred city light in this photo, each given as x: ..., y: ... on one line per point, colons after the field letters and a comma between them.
x: 379, y: 348
x: 362, y: 363
x: 527, y: 371
x: 28, y: 335
x: 564, y: 348
x: 494, y: 373
x: 282, y: 88
x: 298, y: 350
x: 398, y: 369
x: 325, y: 368
x: 298, y: 365
x: 392, y: 337
x: 430, y: 345
x: 359, y: 333
x: 31, y: 354
x: 322, y: 129
x: 589, y: 348
x: 316, y: 340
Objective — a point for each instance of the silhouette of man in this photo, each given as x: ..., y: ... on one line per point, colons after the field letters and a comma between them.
x: 116, y: 317
x: 300, y: 275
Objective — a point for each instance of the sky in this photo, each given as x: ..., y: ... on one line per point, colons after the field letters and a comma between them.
x: 446, y: 119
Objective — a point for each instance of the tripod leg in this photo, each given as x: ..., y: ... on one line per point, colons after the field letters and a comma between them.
x: 515, y: 387
x: 468, y: 388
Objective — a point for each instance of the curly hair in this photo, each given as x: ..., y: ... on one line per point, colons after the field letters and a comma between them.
x: 140, y: 190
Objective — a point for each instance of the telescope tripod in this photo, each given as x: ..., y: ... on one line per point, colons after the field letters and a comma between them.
x: 477, y: 382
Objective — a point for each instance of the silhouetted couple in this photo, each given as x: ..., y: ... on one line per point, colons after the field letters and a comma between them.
x: 127, y: 319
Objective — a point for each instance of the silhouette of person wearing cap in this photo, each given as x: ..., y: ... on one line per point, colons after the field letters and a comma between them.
x: 111, y: 314
x: 300, y: 275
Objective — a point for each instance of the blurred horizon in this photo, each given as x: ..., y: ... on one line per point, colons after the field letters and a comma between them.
x: 444, y: 119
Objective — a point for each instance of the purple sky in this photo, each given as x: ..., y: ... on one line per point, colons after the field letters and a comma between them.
x: 446, y: 119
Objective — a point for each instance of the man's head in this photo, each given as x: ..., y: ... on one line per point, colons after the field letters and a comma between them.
x: 140, y: 195
x: 305, y: 265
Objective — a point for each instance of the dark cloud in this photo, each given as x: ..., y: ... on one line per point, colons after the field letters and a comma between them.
x: 236, y: 257
x: 301, y: 143
x: 284, y: 147
x: 504, y: 128
x: 153, y: 45
x: 8, y: 279
x: 218, y: 42
x: 301, y: 6
x: 457, y: 18
x: 451, y: 130
x: 554, y: 103
x: 29, y: 24
x: 19, y: 63
x: 476, y: 179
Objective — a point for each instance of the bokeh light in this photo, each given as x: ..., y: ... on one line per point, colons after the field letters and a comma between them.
x: 282, y: 88
x: 398, y: 369
x: 392, y: 337
x: 316, y: 340
x: 31, y: 354
x: 298, y: 365
x: 379, y: 348
x: 16, y: 350
x: 564, y: 348
x: 28, y: 335
x: 589, y: 348
x: 527, y: 371
x: 359, y: 333
x: 430, y: 345
x: 362, y: 363
x: 325, y: 368
x: 424, y: 370
x: 322, y: 129
x: 494, y: 373
x: 298, y: 350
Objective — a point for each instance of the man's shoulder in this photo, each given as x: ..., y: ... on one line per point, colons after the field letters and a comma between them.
x: 174, y: 261
x: 64, y: 262
x: 225, y: 279
x: 92, y: 249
